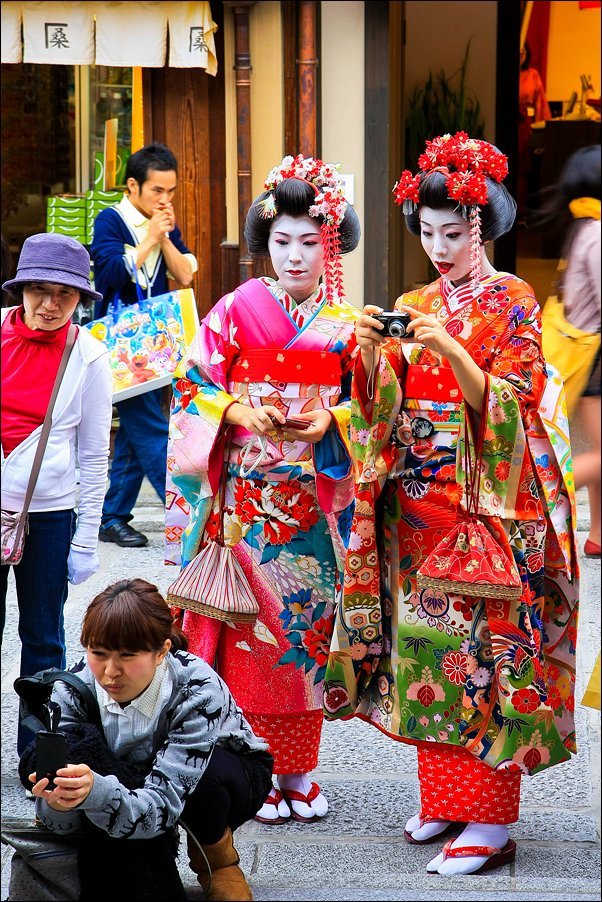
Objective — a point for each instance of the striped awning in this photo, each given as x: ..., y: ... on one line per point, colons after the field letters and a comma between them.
x: 109, y: 34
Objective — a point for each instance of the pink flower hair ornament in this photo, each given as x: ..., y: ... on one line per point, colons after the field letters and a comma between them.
x: 466, y: 163
x: 327, y: 183
x: 330, y: 204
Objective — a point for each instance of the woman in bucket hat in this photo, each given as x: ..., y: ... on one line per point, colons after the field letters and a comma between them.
x: 53, y: 275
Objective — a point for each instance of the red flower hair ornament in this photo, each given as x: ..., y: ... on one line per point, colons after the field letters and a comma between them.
x: 466, y: 163
x: 330, y: 204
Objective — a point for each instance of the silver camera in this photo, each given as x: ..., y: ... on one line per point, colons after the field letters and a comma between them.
x: 396, y: 324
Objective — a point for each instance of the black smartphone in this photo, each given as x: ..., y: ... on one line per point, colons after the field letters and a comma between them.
x: 51, y: 754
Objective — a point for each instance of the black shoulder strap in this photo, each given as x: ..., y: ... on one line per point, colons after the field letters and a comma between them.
x: 35, y: 691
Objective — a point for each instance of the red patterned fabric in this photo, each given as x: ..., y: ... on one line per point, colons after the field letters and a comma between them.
x: 434, y: 382
x: 471, y: 562
x: 456, y: 786
x: 294, y: 740
x: 264, y: 365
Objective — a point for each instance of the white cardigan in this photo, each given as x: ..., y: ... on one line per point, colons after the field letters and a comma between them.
x: 80, y: 431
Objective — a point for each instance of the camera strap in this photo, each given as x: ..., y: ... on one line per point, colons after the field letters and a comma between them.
x: 52, y: 715
x: 370, y: 382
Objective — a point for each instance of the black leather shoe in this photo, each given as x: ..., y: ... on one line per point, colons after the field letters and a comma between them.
x: 122, y: 534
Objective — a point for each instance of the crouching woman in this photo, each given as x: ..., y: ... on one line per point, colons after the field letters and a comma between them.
x: 169, y: 719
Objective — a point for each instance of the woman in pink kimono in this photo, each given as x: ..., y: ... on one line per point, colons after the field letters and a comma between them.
x: 271, y: 350
x: 481, y: 682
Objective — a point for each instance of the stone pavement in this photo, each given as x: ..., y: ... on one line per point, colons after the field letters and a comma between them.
x: 358, y: 851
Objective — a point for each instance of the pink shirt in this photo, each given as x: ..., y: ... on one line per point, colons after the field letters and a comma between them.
x: 30, y: 362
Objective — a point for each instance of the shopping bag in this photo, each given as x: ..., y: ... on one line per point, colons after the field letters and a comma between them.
x: 146, y: 340
x: 572, y: 351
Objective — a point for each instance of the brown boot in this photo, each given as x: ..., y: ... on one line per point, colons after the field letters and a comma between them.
x: 228, y: 883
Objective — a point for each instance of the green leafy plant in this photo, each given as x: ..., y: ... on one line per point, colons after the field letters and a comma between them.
x: 441, y: 105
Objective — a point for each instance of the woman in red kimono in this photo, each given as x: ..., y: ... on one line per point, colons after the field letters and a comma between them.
x: 484, y: 687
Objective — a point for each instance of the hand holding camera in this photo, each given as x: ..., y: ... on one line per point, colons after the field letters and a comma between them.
x: 395, y: 324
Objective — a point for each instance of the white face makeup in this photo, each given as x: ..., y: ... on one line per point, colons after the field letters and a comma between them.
x: 445, y: 237
x: 295, y: 246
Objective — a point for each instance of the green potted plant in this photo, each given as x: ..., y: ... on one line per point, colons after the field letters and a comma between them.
x: 441, y: 105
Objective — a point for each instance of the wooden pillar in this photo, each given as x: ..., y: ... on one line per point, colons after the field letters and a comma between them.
x: 307, y: 64
x: 290, y: 53
x: 242, y: 68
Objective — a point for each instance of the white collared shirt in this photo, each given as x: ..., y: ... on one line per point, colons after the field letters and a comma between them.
x: 139, y: 224
x: 130, y: 730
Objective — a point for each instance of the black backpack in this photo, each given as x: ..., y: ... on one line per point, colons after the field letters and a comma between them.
x: 38, y: 712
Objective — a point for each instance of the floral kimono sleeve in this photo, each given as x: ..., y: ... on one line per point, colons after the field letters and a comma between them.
x: 332, y: 454
x: 342, y: 410
x: 196, y: 433
x: 508, y: 486
x: 371, y: 424
x: 372, y: 418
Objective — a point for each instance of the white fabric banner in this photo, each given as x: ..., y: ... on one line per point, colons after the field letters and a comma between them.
x: 58, y: 33
x: 131, y: 34
x: 191, y: 37
x: 127, y: 34
x: 12, y: 48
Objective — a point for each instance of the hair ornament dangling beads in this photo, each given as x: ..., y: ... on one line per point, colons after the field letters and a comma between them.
x: 466, y: 163
x: 475, y: 247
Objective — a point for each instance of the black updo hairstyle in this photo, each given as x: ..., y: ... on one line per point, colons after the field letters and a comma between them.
x: 294, y: 197
x: 497, y: 216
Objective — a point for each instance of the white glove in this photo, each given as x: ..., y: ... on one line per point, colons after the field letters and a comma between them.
x: 81, y: 564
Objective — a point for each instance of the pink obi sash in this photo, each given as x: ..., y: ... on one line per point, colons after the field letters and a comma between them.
x: 432, y: 383
x: 273, y: 365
